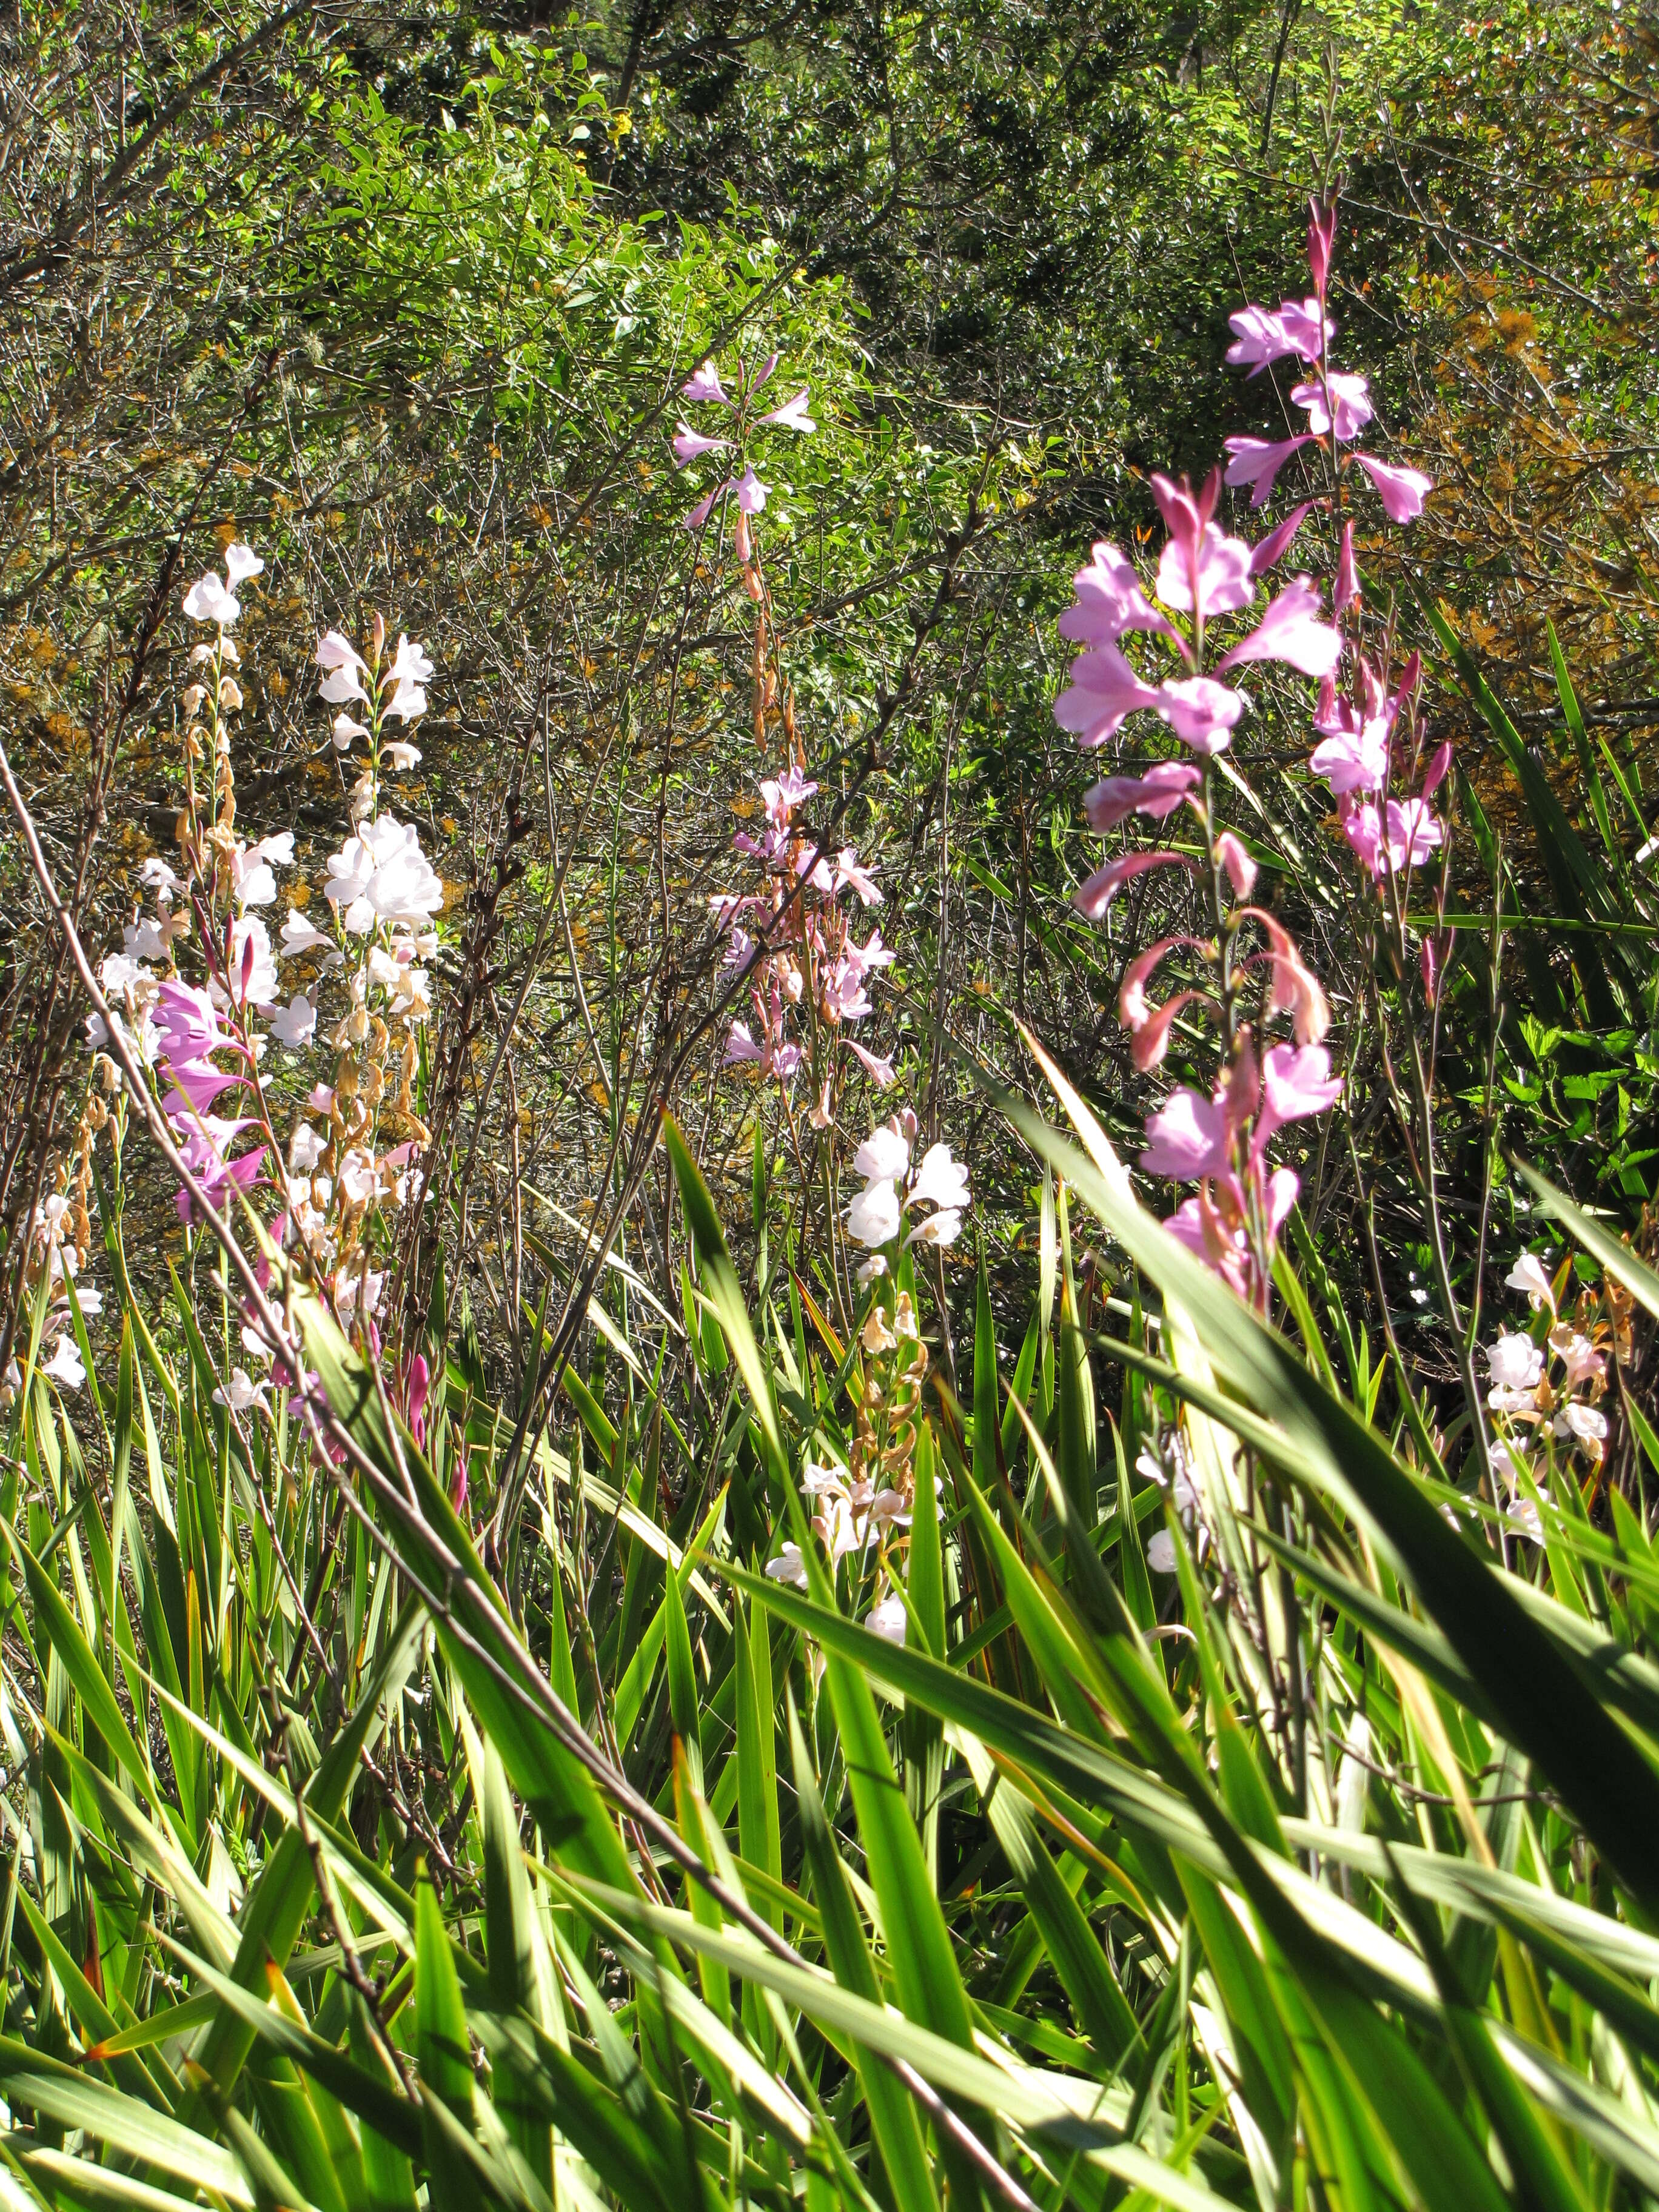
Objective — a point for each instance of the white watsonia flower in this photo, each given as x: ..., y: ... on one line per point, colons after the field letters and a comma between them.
x: 241, y: 1392
x: 295, y: 1024
x: 207, y: 600
x: 788, y: 1567
x: 1528, y: 1274
x: 941, y: 1181
x: 1514, y: 1361
x: 888, y: 1618
x: 241, y: 561
x: 884, y: 1154
x: 300, y: 935
x: 65, y: 1366
x: 872, y: 1219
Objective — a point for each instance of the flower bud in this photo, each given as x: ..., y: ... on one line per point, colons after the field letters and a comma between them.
x: 377, y: 639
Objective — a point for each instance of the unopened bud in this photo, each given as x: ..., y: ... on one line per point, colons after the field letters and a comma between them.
x: 377, y: 638
x: 740, y: 538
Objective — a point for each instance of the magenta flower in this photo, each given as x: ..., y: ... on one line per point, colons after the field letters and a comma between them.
x: 1109, y: 601
x: 1300, y: 327
x: 1272, y: 549
x: 1354, y: 758
x: 705, y: 384
x: 1321, y: 244
x: 1158, y: 792
x: 690, y: 444
x: 1104, y: 688
x: 1092, y: 897
x: 1402, y: 490
x: 1349, y: 404
x: 196, y: 1085
x: 1200, y: 712
x: 1291, y: 631
x: 186, y: 1023
x: 1402, y: 836
x: 793, y: 415
x: 1258, y: 460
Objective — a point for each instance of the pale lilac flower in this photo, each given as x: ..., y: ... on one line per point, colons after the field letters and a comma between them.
x: 1402, y: 490
x: 793, y: 415
x: 1158, y: 792
x: 156, y: 876
x: 1104, y: 690
x: 1514, y: 1361
x: 207, y: 600
x: 1291, y: 631
x: 1200, y: 712
x: 762, y: 375
x: 1350, y: 397
x: 1093, y: 897
x: 401, y: 754
x: 1258, y: 461
x: 1355, y: 758
x: 294, y: 1025
x: 691, y: 444
x: 850, y: 874
x: 253, y: 979
x: 241, y: 561
x: 699, y: 514
x: 705, y: 384
x: 1584, y: 1424
x: 870, y: 954
x: 751, y: 491
x: 1583, y: 1362
x: 888, y: 1618
x: 1109, y: 601
x: 242, y: 1393
x: 1529, y: 1275
x: 843, y: 995
x: 880, y: 1072
x: 784, y: 794
x: 942, y: 1228
x: 345, y: 730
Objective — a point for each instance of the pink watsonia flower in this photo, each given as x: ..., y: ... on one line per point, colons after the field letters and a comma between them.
x: 699, y: 514
x: 870, y: 954
x: 1190, y: 1136
x: 1150, y: 1040
x: 1214, y: 1227
x: 1321, y: 244
x: 1358, y: 760
x: 1272, y: 548
x: 880, y: 1072
x: 1109, y: 601
x: 196, y: 1085
x: 1362, y: 827
x: 1206, y: 577
x: 1103, y: 691
x: 1414, y: 830
x: 850, y: 873
x: 1131, y: 1007
x: 793, y: 415
x: 705, y: 384
x: 762, y: 375
x: 689, y: 444
x: 1257, y: 461
x: 1240, y: 867
x: 1158, y: 792
x: 1092, y: 897
x: 1300, y: 327
x: 784, y: 794
x: 1291, y: 631
x: 1295, y: 989
x: 1439, y: 761
x: 1295, y: 1082
x: 1349, y: 404
x: 751, y: 491
x: 1402, y: 490
x: 1345, y: 591
x: 1200, y: 712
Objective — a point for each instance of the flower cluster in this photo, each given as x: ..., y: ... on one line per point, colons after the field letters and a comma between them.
x: 861, y: 1511
x: 353, y: 1148
x: 1545, y: 1383
x: 1365, y: 723
x: 742, y: 486
x: 894, y: 1188
x: 1218, y: 1142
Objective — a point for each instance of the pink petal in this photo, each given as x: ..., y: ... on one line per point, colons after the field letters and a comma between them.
x: 1258, y: 460
x: 1402, y: 490
x: 1272, y: 548
x: 1092, y: 898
